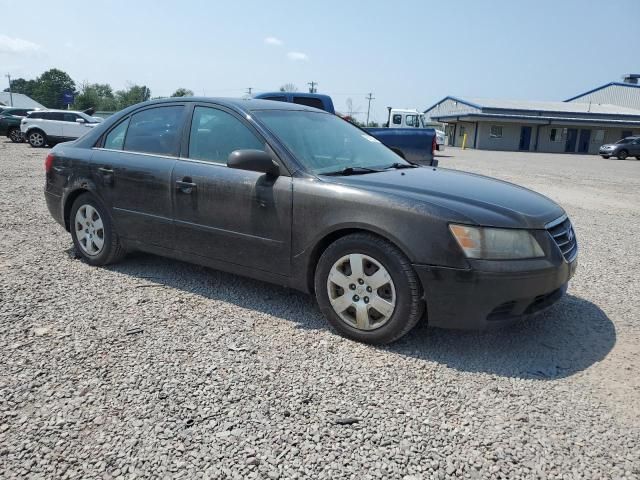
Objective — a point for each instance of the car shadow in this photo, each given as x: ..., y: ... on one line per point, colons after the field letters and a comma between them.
x: 565, y: 339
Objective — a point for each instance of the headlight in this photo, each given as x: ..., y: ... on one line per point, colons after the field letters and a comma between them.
x: 496, y: 243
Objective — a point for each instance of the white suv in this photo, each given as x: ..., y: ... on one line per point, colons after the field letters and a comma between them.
x: 48, y: 127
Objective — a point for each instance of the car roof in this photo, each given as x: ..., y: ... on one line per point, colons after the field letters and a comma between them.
x: 245, y: 105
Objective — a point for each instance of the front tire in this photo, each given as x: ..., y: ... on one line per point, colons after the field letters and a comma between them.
x: 622, y: 155
x: 367, y: 289
x: 15, y: 135
x: 37, y: 138
x: 605, y: 156
x: 93, y: 233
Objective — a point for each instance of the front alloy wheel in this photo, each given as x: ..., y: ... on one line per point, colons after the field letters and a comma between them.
x: 361, y: 291
x: 368, y: 289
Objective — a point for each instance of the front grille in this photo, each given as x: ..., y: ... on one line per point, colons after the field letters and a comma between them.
x: 563, y: 234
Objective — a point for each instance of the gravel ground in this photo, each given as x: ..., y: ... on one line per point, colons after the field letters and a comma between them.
x: 155, y: 368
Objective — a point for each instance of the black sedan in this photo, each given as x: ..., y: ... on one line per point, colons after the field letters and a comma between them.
x: 299, y: 197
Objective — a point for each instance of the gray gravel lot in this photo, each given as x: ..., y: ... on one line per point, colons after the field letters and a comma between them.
x: 233, y: 378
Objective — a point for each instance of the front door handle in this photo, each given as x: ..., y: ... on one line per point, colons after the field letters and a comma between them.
x: 185, y: 185
x: 106, y: 170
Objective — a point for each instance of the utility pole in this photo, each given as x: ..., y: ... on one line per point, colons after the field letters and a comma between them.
x: 10, y: 92
x: 369, y: 97
x: 312, y: 87
x: 249, y: 90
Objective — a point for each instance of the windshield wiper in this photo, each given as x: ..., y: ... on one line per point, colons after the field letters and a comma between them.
x: 398, y: 165
x: 352, y: 171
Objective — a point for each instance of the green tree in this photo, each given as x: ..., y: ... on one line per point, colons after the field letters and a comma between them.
x: 131, y: 95
x: 182, y: 92
x: 50, y: 86
x: 96, y: 95
x: 20, y: 85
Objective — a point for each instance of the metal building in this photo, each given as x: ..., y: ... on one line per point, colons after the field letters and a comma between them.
x: 623, y: 94
x: 580, y: 124
x: 18, y: 100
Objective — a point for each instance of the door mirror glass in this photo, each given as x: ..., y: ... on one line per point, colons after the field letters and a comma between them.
x: 79, y: 120
x: 253, y: 160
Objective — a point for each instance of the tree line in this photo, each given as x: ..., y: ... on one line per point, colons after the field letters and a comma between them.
x: 49, y: 88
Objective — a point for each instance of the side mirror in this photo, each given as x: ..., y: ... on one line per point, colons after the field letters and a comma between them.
x: 253, y: 160
x: 79, y: 120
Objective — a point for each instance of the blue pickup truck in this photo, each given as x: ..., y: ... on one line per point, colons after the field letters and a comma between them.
x: 415, y: 145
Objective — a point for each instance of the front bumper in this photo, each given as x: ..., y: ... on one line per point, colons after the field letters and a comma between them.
x: 607, y: 152
x: 493, y: 297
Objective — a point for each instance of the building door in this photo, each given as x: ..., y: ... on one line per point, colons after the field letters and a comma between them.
x: 572, y: 136
x: 583, y: 144
x: 525, y: 138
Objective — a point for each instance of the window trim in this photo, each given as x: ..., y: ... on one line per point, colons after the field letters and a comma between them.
x: 491, y: 134
x: 393, y: 119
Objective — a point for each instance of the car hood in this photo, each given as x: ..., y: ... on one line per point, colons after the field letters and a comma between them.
x: 462, y: 197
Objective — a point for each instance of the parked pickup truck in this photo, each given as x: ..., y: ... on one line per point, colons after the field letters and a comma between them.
x: 415, y: 145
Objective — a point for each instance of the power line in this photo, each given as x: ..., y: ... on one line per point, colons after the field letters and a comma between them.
x: 312, y: 86
x: 369, y: 98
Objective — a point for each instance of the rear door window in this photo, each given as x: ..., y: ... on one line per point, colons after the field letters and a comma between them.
x: 309, y: 102
x: 215, y: 134
x: 155, y: 130
x: 57, y: 116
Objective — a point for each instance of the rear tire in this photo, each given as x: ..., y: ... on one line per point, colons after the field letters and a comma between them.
x: 622, y: 155
x: 637, y: 157
x: 37, y: 138
x: 93, y: 233
x: 15, y: 135
x: 384, y: 280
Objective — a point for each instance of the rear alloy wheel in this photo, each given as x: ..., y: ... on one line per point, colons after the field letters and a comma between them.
x: 37, y: 139
x: 368, y: 289
x: 622, y: 154
x: 15, y: 135
x: 93, y: 233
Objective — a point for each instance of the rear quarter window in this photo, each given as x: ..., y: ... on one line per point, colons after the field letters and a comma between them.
x: 115, y: 138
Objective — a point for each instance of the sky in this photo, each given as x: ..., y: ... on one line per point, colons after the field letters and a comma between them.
x: 409, y: 54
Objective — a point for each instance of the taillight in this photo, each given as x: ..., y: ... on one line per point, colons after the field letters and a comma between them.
x: 48, y: 163
x: 434, y: 145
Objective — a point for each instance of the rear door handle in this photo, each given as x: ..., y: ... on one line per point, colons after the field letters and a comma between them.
x: 105, y: 170
x: 185, y: 185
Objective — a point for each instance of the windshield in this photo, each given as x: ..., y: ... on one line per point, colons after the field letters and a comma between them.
x: 325, y: 143
x: 625, y: 140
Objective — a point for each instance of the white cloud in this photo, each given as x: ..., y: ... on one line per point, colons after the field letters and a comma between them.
x: 17, y: 45
x: 298, y: 56
x: 273, y: 41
